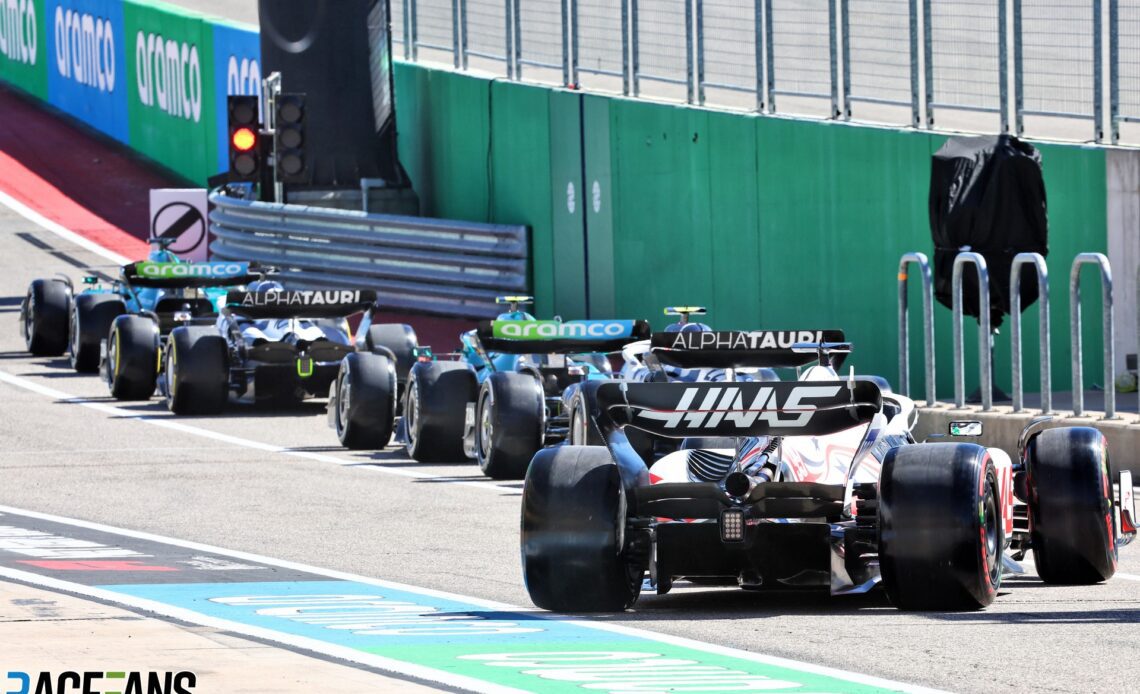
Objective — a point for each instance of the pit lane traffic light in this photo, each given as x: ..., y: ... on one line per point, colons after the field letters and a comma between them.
x: 244, y: 134
x: 289, y: 142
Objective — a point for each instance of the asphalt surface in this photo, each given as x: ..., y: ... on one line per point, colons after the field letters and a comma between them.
x: 274, y: 483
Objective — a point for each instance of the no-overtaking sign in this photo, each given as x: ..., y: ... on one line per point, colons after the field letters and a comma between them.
x: 179, y: 215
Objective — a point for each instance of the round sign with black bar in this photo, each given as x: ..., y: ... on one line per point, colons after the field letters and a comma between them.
x: 178, y: 221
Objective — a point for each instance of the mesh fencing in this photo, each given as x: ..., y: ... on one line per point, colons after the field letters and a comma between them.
x: 487, y: 28
x: 801, y: 47
x: 661, y: 53
x: 599, y: 37
x: 434, y: 25
x: 1057, y: 57
x: 1128, y: 74
x: 540, y: 33
x: 964, y: 54
x: 730, y: 28
x: 878, y: 51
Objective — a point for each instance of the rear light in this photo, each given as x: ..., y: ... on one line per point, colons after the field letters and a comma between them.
x: 732, y: 525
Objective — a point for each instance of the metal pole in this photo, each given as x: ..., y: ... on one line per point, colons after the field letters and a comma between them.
x: 636, y: 48
x: 565, y: 43
x: 1043, y: 333
x: 510, y: 40
x: 1107, y: 332
x: 415, y: 31
x: 758, y: 46
x: 518, y: 39
x: 463, y: 32
x: 1003, y: 67
x: 915, y: 117
x: 407, y: 31
x: 927, y: 61
x: 984, y: 357
x: 1098, y: 67
x: 845, y: 36
x: 1018, y: 71
x: 834, y: 55
x: 1114, y: 69
x: 700, y: 10
x: 456, y: 58
x: 625, y: 47
x: 927, y: 325
x: 271, y: 88
x: 691, y: 93
x: 771, y: 54
x: 574, y: 43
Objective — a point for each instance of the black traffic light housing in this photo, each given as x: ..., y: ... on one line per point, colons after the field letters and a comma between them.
x: 244, y: 138
x: 289, y: 140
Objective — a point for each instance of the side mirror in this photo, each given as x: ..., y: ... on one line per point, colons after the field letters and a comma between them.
x: 969, y: 427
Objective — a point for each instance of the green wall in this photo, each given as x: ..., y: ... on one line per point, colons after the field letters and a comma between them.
x: 771, y: 222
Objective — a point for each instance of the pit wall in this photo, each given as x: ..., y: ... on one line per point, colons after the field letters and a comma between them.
x: 633, y: 205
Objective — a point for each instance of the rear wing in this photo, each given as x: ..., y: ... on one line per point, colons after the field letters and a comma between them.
x: 188, y: 275
x: 735, y: 409
x: 559, y: 337
x: 740, y: 349
x: 299, y: 303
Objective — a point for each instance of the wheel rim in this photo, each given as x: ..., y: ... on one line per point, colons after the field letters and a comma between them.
x: 113, y: 357
x: 29, y: 323
x: 577, y: 430
x: 73, y: 342
x: 412, y: 414
x: 485, y: 428
x: 991, y: 534
x: 344, y: 393
x: 171, y: 371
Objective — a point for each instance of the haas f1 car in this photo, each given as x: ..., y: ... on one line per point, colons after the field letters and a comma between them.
x: 268, y: 344
x: 814, y: 484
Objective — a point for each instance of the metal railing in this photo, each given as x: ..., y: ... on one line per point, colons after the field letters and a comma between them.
x: 1038, y: 262
x: 906, y: 62
x: 985, y: 358
x: 1107, y: 332
x: 417, y: 264
x: 920, y: 260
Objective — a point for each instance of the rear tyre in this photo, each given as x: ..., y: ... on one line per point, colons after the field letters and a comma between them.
x: 197, y: 371
x: 91, y: 319
x: 435, y: 408
x: 397, y: 338
x: 132, y: 358
x: 583, y: 431
x: 45, y: 313
x: 508, y: 424
x: 574, y: 533
x: 1070, y: 507
x: 365, y: 401
x: 940, y: 527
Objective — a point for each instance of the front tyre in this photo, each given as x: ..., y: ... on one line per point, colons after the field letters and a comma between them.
x: 365, y: 401
x: 1070, y: 506
x: 575, y: 554
x: 45, y: 315
x: 940, y: 527
x: 197, y: 371
x: 509, y: 424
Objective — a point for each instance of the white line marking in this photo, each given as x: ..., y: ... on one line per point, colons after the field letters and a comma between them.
x: 354, y: 656
x: 59, y: 230
x: 170, y: 422
x: 1127, y: 577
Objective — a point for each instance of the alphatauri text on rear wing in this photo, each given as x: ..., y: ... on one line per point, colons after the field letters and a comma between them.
x: 559, y: 337
x: 300, y: 303
x: 737, y: 349
x: 679, y: 410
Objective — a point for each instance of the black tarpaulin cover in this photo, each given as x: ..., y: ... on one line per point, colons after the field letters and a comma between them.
x: 987, y: 195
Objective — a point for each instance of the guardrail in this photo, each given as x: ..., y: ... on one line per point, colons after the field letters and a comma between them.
x: 927, y: 325
x: 1038, y: 262
x: 985, y: 358
x: 1107, y: 331
x: 418, y: 264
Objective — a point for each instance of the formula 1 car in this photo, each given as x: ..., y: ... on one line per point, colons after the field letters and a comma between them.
x: 160, y: 296
x: 54, y: 319
x: 267, y: 344
x: 815, y: 484
x: 501, y: 400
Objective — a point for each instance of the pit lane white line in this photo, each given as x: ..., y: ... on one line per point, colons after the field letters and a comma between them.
x: 169, y: 422
x: 59, y: 230
x: 378, y: 661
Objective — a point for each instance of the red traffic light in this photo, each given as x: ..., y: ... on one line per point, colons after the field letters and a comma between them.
x: 243, y: 139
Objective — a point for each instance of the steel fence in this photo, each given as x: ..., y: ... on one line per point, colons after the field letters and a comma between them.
x: 895, y: 61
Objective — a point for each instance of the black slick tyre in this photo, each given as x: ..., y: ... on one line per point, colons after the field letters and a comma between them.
x: 397, y: 338
x: 435, y: 406
x: 365, y: 401
x: 508, y: 424
x: 45, y: 313
x: 132, y: 358
x: 197, y: 371
x: 941, y: 533
x: 1070, y: 507
x: 573, y: 533
x: 91, y: 319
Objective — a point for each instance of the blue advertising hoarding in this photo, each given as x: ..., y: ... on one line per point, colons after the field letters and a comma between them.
x: 87, y: 66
